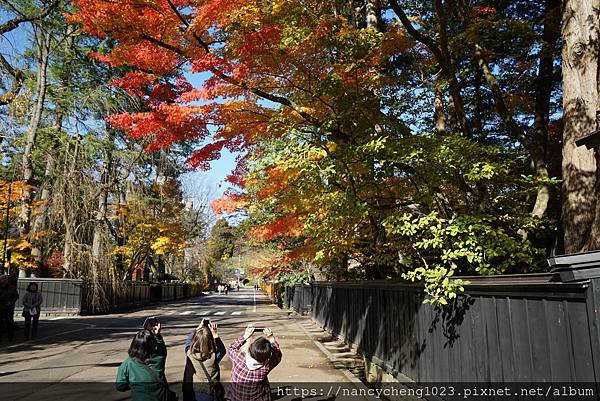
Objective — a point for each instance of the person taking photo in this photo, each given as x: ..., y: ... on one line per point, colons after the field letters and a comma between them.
x: 136, y: 375
x: 202, y: 375
x: 250, y: 369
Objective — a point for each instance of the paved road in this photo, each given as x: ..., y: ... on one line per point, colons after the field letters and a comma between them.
x: 76, y: 358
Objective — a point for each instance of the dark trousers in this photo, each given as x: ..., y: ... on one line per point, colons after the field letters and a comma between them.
x: 7, y: 323
x: 29, y: 327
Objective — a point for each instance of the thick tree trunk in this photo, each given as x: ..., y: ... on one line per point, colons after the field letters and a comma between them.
x: 580, y: 97
x: 40, y: 221
x: 452, y: 123
x: 68, y: 249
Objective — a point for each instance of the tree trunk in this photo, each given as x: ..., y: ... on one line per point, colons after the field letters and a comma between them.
x: 478, y: 115
x: 452, y: 123
x: 68, y: 249
x: 439, y: 116
x: 580, y: 98
x: 39, y: 223
x: 594, y: 237
x: 443, y: 57
x: 43, y: 40
x: 545, y: 84
x: 372, y: 12
x: 535, y: 144
x: 102, y: 200
x: 68, y: 208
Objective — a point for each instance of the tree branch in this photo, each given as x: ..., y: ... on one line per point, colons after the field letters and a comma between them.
x: 15, y: 22
x: 240, y: 84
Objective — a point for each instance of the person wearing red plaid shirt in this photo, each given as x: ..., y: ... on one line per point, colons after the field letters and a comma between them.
x: 250, y: 369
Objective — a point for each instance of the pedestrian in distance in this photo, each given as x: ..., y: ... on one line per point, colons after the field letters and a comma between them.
x: 250, y: 369
x: 136, y: 375
x: 32, y: 303
x: 226, y: 288
x: 8, y: 298
x: 204, y: 350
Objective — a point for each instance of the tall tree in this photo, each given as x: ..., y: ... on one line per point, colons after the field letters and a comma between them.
x: 580, y: 34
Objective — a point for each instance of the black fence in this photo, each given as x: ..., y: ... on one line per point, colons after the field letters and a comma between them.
x: 514, y: 328
x: 73, y: 296
x: 298, y: 298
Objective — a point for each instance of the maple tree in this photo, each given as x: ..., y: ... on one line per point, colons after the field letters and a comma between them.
x: 255, y: 54
x: 277, y: 67
x: 359, y: 129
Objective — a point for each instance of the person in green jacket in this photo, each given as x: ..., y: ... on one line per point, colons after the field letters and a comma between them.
x: 136, y: 375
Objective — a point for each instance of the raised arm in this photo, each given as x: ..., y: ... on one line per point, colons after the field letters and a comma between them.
x: 188, y: 341
x: 161, y: 347
x: 276, y: 352
x: 221, y: 351
x: 220, y: 347
x: 275, y: 355
x: 234, y: 348
x: 158, y: 359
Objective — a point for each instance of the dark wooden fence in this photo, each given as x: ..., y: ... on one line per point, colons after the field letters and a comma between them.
x: 514, y: 328
x: 298, y: 298
x: 73, y: 296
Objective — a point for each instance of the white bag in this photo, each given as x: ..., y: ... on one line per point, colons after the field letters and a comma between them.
x: 32, y: 311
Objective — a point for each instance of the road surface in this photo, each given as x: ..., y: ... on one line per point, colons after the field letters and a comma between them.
x: 77, y: 358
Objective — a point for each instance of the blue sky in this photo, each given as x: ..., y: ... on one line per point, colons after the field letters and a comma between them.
x: 213, y: 179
